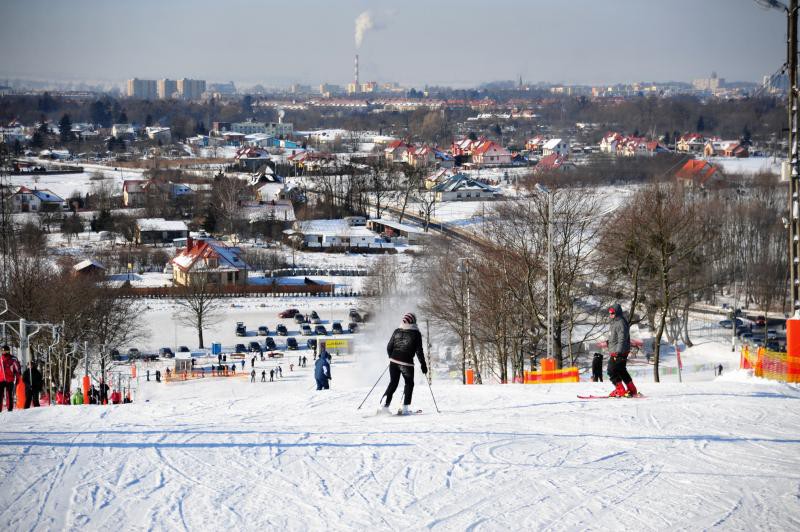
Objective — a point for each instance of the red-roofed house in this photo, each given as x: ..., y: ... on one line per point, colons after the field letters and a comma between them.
x: 698, y: 173
x: 395, y: 151
x: 489, y: 153
x: 535, y: 144
x: 209, y: 261
x: 420, y: 157
x: 552, y: 162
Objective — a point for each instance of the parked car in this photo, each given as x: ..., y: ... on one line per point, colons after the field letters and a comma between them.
x: 312, y: 343
x: 269, y: 343
x: 274, y: 354
x: 240, y: 348
x: 115, y: 355
x: 263, y: 330
x: 281, y: 330
x: 299, y: 318
x: 352, y: 326
x: 760, y: 321
x: 772, y: 334
x: 255, y: 347
x: 184, y: 349
x: 241, y: 330
x: 314, y: 317
x: 321, y: 330
x: 727, y: 324
x: 305, y: 329
x: 291, y: 343
x: 288, y: 313
x: 134, y: 353
x: 166, y: 352
x: 354, y: 315
x: 336, y: 328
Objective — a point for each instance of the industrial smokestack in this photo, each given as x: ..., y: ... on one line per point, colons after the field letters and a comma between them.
x: 358, y: 86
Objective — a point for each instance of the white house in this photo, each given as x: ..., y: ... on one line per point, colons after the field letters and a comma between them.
x: 557, y: 146
x: 334, y: 233
x: 461, y: 187
x: 488, y: 153
x: 27, y: 200
x: 160, y: 134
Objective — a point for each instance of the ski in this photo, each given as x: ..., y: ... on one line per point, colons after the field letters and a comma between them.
x: 411, y: 413
x: 637, y: 396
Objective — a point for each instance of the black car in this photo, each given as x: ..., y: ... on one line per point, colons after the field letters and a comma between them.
x: 299, y: 318
x: 240, y: 348
x: 166, y: 352
x: 241, y: 330
x: 269, y: 344
x: 353, y: 326
x: 312, y: 343
x: 336, y: 328
x: 115, y: 354
x: 184, y: 349
x: 291, y: 343
x: 281, y: 330
x: 354, y: 315
x: 321, y: 330
x: 255, y: 347
x: 314, y: 317
x: 263, y: 330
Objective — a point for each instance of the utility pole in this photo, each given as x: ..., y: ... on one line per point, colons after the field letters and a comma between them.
x: 794, y: 178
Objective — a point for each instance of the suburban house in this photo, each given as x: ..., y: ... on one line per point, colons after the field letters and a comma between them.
x: 698, y: 173
x: 250, y: 158
x: 27, y: 200
x: 133, y: 193
x: 551, y: 163
x: 489, y: 153
x: 691, y: 143
x: 395, y: 151
x: 463, y: 147
x: 394, y: 231
x: 534, y: 145
x: 461, y: 187
x: 333, y: 233
x: 725, y: 148
x: 439, y: 176
x: 609, y: 143
x: 556, y: 146
x: 311, y: 160
x: 159, y: 230
x: 160, y: 134
x: 209, y: 262
x: 89, y: 267
x: 420, y: 157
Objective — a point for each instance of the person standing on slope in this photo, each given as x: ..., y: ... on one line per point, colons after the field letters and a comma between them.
x: 619, y: 345
x: 33, y: 384
x: 9, y: 375
x: 322, y: 370
x: 597, y: 367
x: 406, y: 341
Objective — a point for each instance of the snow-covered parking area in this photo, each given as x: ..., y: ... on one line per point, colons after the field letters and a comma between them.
x: 230, y: 454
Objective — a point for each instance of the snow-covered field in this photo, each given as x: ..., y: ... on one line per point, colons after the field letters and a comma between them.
x: 65, y: 184
x: 230, y: 454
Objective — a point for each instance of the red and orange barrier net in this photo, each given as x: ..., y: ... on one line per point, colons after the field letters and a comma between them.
x: 771, y: 365
x: 550, y: 375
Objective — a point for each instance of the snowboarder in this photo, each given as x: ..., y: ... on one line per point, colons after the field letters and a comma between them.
x: 263, y: 375
x: 253, y: 362
x: 597, y: 367
x: 9, y: 374
x: 271, y: 375
x: 253, y: 376
x: 406, y: 341
x: 33, y: 384
x: 619, y: 345
x: 322, y: 371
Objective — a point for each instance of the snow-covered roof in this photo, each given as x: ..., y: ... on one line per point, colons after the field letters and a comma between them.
x: 397, y: 226
x: 88, y: 263
x: 332, y: 228
x: 551, y: 144
x: 228, y: 257
x: 462, y: 182
x: 160, y: 224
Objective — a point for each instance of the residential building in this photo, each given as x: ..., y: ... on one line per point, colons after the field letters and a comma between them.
x: 691, y: 143
x: 279, y: 129
x: 123, y: 131
x: 160, y: 134
x: 133, y: 192
x: 143, y: 89
x: 89, y: 268
x: 461, y: 187
x: 609, y: 142
x: 698, y: 173
x: 395, y: 151
x: 725, y: 148
x: 420, y: 157
x: 332, y: 233
x: 191, y: 89
x: 209, y: 262
x: 534, y: 145
x: 489, y: 153
x: 159, y: 230
x: 556, y: 146
x: 396, y: 231
x: 27, y: 200
x: 167, y: 88
x: 551, y: 163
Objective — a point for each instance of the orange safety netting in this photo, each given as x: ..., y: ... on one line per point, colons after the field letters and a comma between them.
x: 772, y: 365
x: 550, y: 375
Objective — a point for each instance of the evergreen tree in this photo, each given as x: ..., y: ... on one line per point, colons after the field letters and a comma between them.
x: 701, y: 124
x: 148, y: 120
x: 123, y: 118
x: 65, y: 128
x: 37, y: 140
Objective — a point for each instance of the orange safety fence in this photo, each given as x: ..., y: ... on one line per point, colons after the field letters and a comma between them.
x: 180, y: 376
x: 550, y: 375
x: 772, y: 365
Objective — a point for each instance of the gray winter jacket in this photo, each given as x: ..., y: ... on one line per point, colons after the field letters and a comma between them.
x: 619, y: 338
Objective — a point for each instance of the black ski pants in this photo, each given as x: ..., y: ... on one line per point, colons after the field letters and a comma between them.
x: 31, y: 397
x: 7, y: 392
x: 617, y: 370
x: 395, y: 371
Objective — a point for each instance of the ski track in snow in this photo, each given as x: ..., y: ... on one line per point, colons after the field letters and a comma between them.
x: 280, y: 456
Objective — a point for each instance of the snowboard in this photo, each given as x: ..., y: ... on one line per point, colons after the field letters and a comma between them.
x: 637, y: 396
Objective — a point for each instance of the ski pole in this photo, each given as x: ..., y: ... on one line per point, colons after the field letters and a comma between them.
x: 432, y: 396
x: 373, y: 387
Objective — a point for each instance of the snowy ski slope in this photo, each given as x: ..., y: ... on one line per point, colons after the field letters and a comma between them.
x: 216, y: 455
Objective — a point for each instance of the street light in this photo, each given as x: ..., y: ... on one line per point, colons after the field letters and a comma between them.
x: 550, y: 296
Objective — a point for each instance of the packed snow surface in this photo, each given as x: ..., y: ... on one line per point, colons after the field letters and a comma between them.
x: 229, y: 454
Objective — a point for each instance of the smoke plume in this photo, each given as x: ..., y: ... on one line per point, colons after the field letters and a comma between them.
x: 365, y: 22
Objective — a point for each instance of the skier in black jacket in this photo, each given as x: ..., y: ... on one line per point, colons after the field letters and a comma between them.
x: 403, y: 345
x: 597, y: 367
x: 33, y: 384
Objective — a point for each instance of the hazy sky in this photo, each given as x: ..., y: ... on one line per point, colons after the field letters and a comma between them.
x: 459, y: 42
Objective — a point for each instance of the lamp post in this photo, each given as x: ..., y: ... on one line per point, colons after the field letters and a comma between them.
x: 550, y: 294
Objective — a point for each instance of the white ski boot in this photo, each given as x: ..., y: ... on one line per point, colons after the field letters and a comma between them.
x: 403, y: 411
x: 384, y: 410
